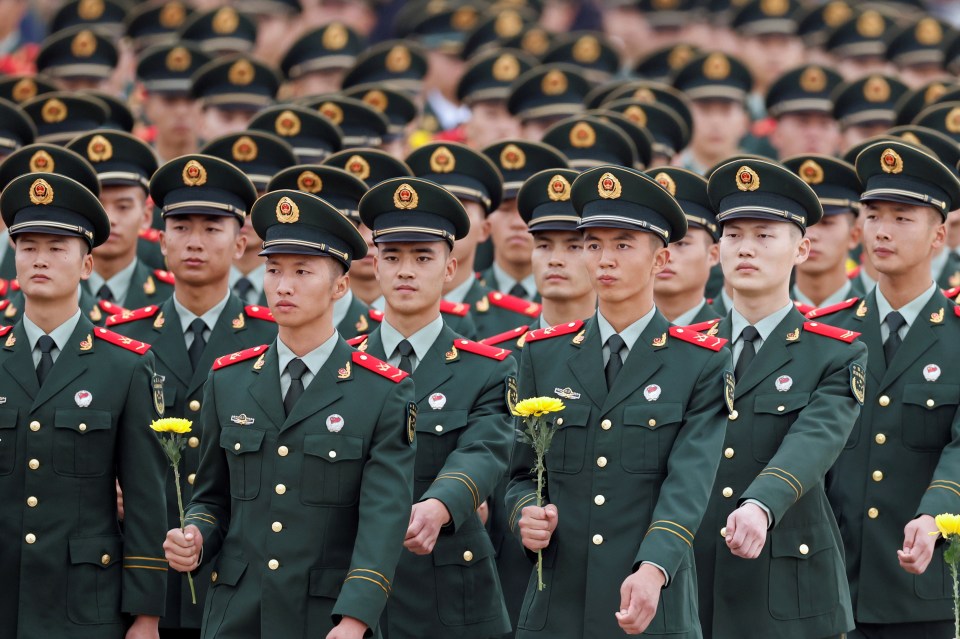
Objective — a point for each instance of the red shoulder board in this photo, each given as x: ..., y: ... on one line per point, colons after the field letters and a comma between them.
x: 14, y: 285
x: 122, y: 341
x: 150, y: 235
x: 239, y: 356
x: 130, y: 316
x: 553, y: 331
x: 956, y: 310
x: 496, y: 339
x: 379, y: 367
x: 375, y: 315
x: 854, y: 273
x: 515, y: 304
x: 826, y: 330
x: 477, y: 348
x: 452, y: 308
x: 833, y: 308
x: 110, y: 307
x: 4, y: 330
x: 4, y: 304
x: 687, y: 334
x: 952, y: 293
x: 165, y: 276
x: 4, y: 287
x: 259, y: 312
x: 804, y: 308
x: 356, y: 341
x: 703, y: 327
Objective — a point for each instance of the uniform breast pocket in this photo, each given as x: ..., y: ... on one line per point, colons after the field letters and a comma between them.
x: 569, y: 443
x: 774, y: 414
x: 93, y: 580
x: 8, y: 440
x: 804, y: 573
x: 242, y: 447
x: 332, y: 467
x: 928, y: 411
x: 438, y: 432
x: 649, y: 431
x: 83, y: 443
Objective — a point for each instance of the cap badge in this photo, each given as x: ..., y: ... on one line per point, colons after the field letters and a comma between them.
x: 891, y: 162
x: 664, y: 5
x: 535, y: 42
x: 225, y: 21
x: 952, y: 121
x: 241, y: 73
x: 586, y: 50
x: 41, y: 193
x: 194, y: 174
x: 464, y: 18
x: 358, y: 166
x: 376, y: 99
x: 747, y: 179
x: 664, y: 180
x: 554, y: 82
x: 512, y: 157
x: 332, y: 112
x: 559, y: 189
x: 41, y: 162
x: 876, y: 89
x: 933, y: 92
x: 716, y: 67
x: 774, y: 7
x: 405, y: 198
x: 398, y: 59
x: 287, y: 124
x: 928, y: 32
x: 244, y: 149
x: 835, y: 13
x: 90, y: 10
x: 172, y: 15
x: 287, y: 211
x: 679, y: 56
x: 24, y: 90
x: 636, y: 115
x: 582, y: 136
x: 53, y: 111
x: 99, y: 149
x: 508, y: 24
x: 335, y: 37
x: 178, y: 60
x: 609, y: 186
x: 811, y: 172
x: 910, y: 136
x: 309, y: 182
x: 442, y: 160
x: 870, y: 24
x: 506, y: 68
x: 644, y: 95
x: 813, y: 80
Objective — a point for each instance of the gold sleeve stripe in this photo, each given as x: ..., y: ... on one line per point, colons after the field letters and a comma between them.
x: 952, y: 490
x: 799, y: 485
x: 784, y: 480
x: 467, y: 477
x: 373, y: 581
x: 207, y: 519
x: 520, y: 504
x: 945, y: 481
x: 673, y: 532
x: 207, y: 515
x: 162, y: 560
x: 673, y: 523
x: 372, y: 572
x: 473, y: 495
x: 145, y: 567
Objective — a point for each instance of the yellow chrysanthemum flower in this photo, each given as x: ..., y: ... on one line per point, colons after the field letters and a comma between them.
x: 948, y: 524
x: 172, y: 425
x: 537, y: 406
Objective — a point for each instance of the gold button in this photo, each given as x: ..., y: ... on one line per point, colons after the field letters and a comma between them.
x: 597, y: 540
x: 930, y: 403
x: 32, y: 501
x: 283, y: 451
x: 599, y: 500
x: 559, y: 421
x: 723, y: 531
x: 30, y: 538
x: 804, y: 549
x: 601, y: 461
x: 276, y: 526
x: 781, y: 408
x: 728, y: 492
x: 733, y: 415
x: 467, y: 555
x: 438, y: 428
x: 194, y: 405
x: 884, y: 400
x: 193, y: 442
x: 729, y: 453
x: 34, y: 426
x: 332, y: 454
x: 34, y: 464
x: 273, y: 564
x: 83, y: 428
x: 192, y: 477
x: 880, y: 439
x: 606, y: 424
x: 236, y: 446
x: 652, y: 423
x: 873, y: 513
x: 281, y: 489
x: 877, y: 475
x: 214, y: 576
x: 105, y: 560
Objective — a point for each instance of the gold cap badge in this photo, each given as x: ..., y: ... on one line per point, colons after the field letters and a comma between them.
x: 512, y: 157
x: 225, y: 21
x: 747, y: 179
x: 609, y: 186
x: 41, y: 162
x: 442, y: 160
x: 909, y: 136
x: 508, y: 24
x: 84, y: 44
x: 952, y: 121
x: 25, y: 89
x: 876, y: 89
x: 376, y: 99
x: 335, y: 37
x: 241, y: 73
x: 172, y: 15
x: 929, y: 32
x: 53, y: 111
x: 559, y: 189
x: 332, y: 112
x: 506, y: 68
x: 287, y: 211
x: 309, y: 182
x: 933, y: 92
x: 41, y: 193
x: 178, y: 60
x: 99, y: 149
x: 774, y: 7
x: 636, y: 115
x: 810, y: 172
x: 554, y: 82
x: 244, y: 149
x: 870, y: 24
x: 836, y: 12
x: 679, y: 56
x: 716, y: 67
x: 90, y: 10
x: 813, y: 80
x: 194, y: 174
x: 464, y: 18
x: 287, y: 124
x: 398, y: 59
x: 358, y: 166
x: 586, y: 50
x: 664, y: 180
x: 891, y: 162
x: 535, y: 42
x: 405, y: 198
x: 582, y: 136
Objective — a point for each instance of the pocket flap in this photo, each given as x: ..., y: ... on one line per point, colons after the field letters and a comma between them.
x: 446, y: 420
x: 652, y: 414
x: 462, y: 550
x: 780, y: 403
x: 931, y: 395
x: 801, y: 543
x: 82, y: 420
x: 333, y: 447
x: 573, y: 415
x: 240, y: 441
x: 326, y: 582
x: 228, y: 571
x: 8, y: 417
x: 101, y: 551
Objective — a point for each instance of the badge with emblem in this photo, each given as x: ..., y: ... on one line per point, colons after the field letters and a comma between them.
x: 586, y: 50
x: 652, y: 392
x: 931, y: 372
x: 512, y: 394
x: 83, y: 398
x: 729, y: 386
x: 559, y: 189
x: 344, y: 373
x: 156, y: 385
x: 747, y: 179
x: 858, y: 382
x: 582, y: 136
x: 334, y: 423
x: 411, y: 422
x: 609, y: 187
x: 287, y: 211
x: 566, y: 393
x: 358, y: 166
x: 405, y: 197
x: 437, y: 401
x: 783, y: 383
x: 242, y: 419
x: 442, y: 160
x: 194, y: 174
x: 891, y: 162
x: 512, y: 157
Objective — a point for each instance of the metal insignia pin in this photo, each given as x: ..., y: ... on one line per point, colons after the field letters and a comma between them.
x: 241, y: 419
x: 566, y: 393
x: 652, y: 392
x: 783, y: 383
x: 334, y: 423
x: 931, y: 372
x: 83, y: 398
x: 437, y: 401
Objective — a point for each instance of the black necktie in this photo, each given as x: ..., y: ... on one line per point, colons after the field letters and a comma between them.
x: 105, y: 294
x: 46, y: 345
x: 296, y: 368
x: 241, y: 287
x: 894, y: 321
x: 517, y: 290
x: 616, y: 344
x: 748, y: 352
x: 196, y: 347
x: 406, y: 350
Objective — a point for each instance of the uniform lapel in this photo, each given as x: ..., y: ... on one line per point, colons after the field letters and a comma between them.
x: 866, y: 321
x: 266, y: 391
x: 69, y: 365
x: 136, y: 297
x: 168, y: 344
x: 325, y: 388
x: 774, y: 353
x: 19, y: 362
x: 642, y: 362
x: 224, y: 339
x: 355, y: 321
x: 920, y: 338
x: 434, y: 369
x: 586, y: 363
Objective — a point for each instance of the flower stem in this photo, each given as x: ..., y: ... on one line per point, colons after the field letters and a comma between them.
x: 540, y: 462
x: 956, y: 600
x: 176, y: 482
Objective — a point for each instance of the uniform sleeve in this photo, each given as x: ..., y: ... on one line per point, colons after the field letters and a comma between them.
x: 522, y: 488
x: 386, y: 493
x: 943, y: 494
x: 142, y: 471
x: 691, y: 471
x: 815, y: 439
x: 471, y: 472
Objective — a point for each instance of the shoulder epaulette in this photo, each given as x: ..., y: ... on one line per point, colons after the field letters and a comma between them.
x: 477, y: 348
x: 150, y: 235
x: 375, y: 315
x: 379, y: 367
x: 4, y: 287
x: 356, y: 341
x: 4, y: 304
x: 826, y: 330
x: 165, y: 276
x: 804, y: 308
x: 853, y: 273
x: 956, y: 311
x: 833, y: 308
x: 553, y: 331
x: 952, y: 293
x: 259, y: 312
x: 14, y: 286
x: 504, y: 336
x: 122, y: 341
x: 691, y: 336
x: 453, y: 308
x: 130, y: 316
x: 703, y: 327
x: 515, y: 304
x: 4, y: 330
x: 239, y: 356
x: 110, y: 307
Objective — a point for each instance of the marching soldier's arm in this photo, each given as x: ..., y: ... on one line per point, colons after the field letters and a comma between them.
x: 691, y: 470
x: 522, y: 489
x: 815, y: 439
x: 471, y: 472
x: 943, y: 494
x: 141, y: 471
x: 386, y: 493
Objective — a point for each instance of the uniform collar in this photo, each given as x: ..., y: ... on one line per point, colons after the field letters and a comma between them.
x: 421, y: 341
x: 255, y: 276
x: 119, y: 284
x: 505, y: 282
x: 341, y: 306
x: 209, y: 318
x: 459, y: 294
x: 764, y: 326
x: 834, y: 298
x: 910, y: 311
x: 314, y: 360
x: 686, y: 319
x: 630, y: 334
x: 60, y: 334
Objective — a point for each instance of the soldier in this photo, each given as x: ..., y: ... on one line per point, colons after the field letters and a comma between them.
x: 897, y: 470
x: 78, y: 58
x: 62, y: 115
x: 865, y: 107
x: 312, y: 136
x: 484, y: 89
x: 204, y: 202
x: 800, y: 103
x: 635, y: 449
x: 769, y: 555
x: 317, y: 61
x: 77, y: 415
x: 446, y: 581
x: 230, y: 91
x: 307, y: 455
x: 545, y: 95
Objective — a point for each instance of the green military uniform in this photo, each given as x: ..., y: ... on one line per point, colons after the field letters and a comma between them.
x: 900, y: 460
x: 630, y: 465
x: 65, y: 441
x: 303, y: 509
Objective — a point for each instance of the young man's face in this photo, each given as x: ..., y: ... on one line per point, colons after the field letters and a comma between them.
x: 688, y: 268
x: 628, y: 29
x: 622, y: 263
x: 854, y: 68
x: 801, y: 133
x: 217, y: 121
x: 512, y: 243
x: 317, y: 83
x: 126, y: 207
x: 199, y: 249
x: 770, y: 56
x: 718, y: 126
x: 253, y: 240
x: 831, y: 240
x: 302, y: 288
x: 412, y: 274
x: 490, y: 122
x: 758, y: 255
x: 466, y: 247
x: 559, y: 265
x: 364, y: 269
x: 174, y: 116
x: 899, y: 237
x: 49, y: 267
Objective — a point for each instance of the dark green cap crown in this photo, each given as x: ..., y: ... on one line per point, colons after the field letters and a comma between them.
x: 336, y: 186
x: 943, y: 146
x: 120, y: 159
x: 898, y: 171
x: 588, y: 141
x: 311, y: 135
x: 868, y: 100
x: 16, y: 127
x: 103, y: 16
x: 199, y: 184
x: 61, y: 116
x: 53, y: 204
x: 714, y: 76
x: 78, y: 52
x: 590, y: 51
x: 360, y: 123
x: 373, y: 166
x: 396, y: 64
x: 547, y: 91
x: 802, y: 90
x: 49, y: 158
x: 259, y: 155
x: 544, y: 201
x: 489, y: 76
x: 834, y: 181
x: 466, y: 173
x: 169, y: 68
x: 332, y: 46
x: 398, y: 107
x: 517, y: 160
x: 410, y: 209
x: 222, y: 30
x: 151, y: 25
x: 237, y: 82
x: 690, y: 191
